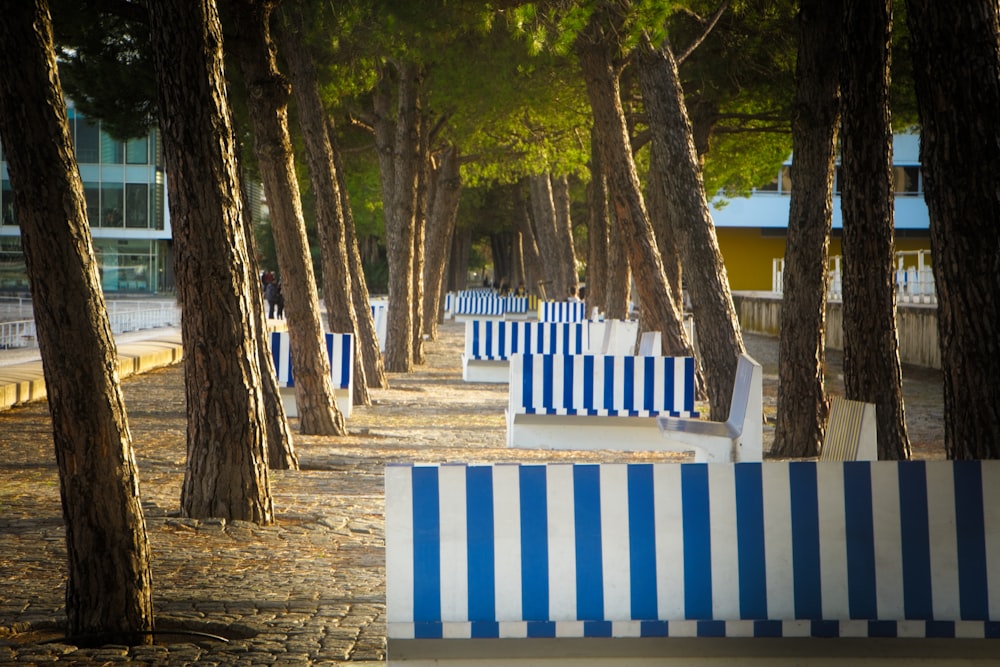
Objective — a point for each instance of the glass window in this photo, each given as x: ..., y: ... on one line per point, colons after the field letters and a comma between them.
x: 906, y: 180
x: 7, y: 202
x: 112, y: 150
x: 770, y: 187
x: 137, y: 151
x: 136, y: 205
x: 111, y: 205
x: 88, y: 141
x: 157, y: 203
x: 13, y: 272
x: 92, y: 195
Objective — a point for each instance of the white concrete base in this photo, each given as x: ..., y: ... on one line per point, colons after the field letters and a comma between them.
x: 343, y: 397
x: 622, y: 434
x: 468, y: 317
x: 692, y: 651
x: 481, y: 370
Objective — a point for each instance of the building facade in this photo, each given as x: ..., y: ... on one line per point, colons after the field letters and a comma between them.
x: 752, y: 230
x: 125, y: 189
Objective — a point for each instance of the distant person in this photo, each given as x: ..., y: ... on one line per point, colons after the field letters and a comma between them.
x: 281, y: 301
x: 572, y: 294
x: 271, y: 294
x: 520, y: 291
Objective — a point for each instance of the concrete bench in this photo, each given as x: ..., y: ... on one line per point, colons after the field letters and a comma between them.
x: 490, y: 343
x: 583, y: 401
x: 739, y: 438
x: 562, y: 311
x: 762, y: 564
x: 339, y: 347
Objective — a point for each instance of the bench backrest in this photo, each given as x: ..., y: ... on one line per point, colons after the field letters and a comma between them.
x: 562, y: 311
x: 776, y: 549
x: 603, y: 385
x: 650, y: 344
x: 851, y: 432
x: 339, y: 348
x: 498, y: 339
x: 489, y: 304
x: 380, y: 315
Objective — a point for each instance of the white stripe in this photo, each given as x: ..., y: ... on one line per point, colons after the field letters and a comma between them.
x: 470, y: 350
x: 618, y: 383
x: 669, y: 535
x: 885, y: 525
x: 638, y: 388
x: 943, y: 538
x: 578, y: 381
x: 538, y: 382
x: 778, y: 541
x: 399, y: 543
x: 832, y: 540
x: 454, y: 543
x: 991, y: 520
x: 680, y: 383
x: 562, y: 542
x: 507, y: 541
x: 615, y: 543
x: 722, y: 533
x: 515, y: 378
x: 556, y: 382
x: 599, y: 381
x: 661, y: 369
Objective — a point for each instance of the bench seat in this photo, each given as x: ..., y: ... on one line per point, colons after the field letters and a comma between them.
x: 653, y: 563
x: 340, y: 350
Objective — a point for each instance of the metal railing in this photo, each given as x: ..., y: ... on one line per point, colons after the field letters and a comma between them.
x: 914, y: 284
x: 124, y: 316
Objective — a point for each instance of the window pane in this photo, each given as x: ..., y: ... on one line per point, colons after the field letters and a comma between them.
x: 92, y: 194
x: 906, y: 180
x: 112, y: 150
x: 7, y: 201
x: 88, y: 141
x: 137, y: 151
x: 111, y: 205
x: 136, y: 205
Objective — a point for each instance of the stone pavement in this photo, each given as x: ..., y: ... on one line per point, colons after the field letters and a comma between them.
x: 308, y: 590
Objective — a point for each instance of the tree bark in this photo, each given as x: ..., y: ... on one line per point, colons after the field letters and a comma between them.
x: 369, y: 353
x: 666, y: 240
x: 268, y: 94
x: 337, y: 289
x: 564, y: 229
x: 956, y: 66
x: 226, y: 474
x: 618, y: 292
x: 720, y: 341
x: 598, y: 224
x: 397, y: 139
x: 529, y: 245
x: 443, y: 211
x: 872, y: 370
x: 419, y: 236
x: 802, y: 405
x: 550, y: 239
x: 109, y: 584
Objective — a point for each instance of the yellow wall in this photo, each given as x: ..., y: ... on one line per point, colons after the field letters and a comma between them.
x: 748, y: 255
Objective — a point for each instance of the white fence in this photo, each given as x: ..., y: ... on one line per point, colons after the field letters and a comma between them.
x: 125, y: 316
x: 914, y: 282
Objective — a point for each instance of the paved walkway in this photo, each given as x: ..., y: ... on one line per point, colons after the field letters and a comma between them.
x: 308, y: 590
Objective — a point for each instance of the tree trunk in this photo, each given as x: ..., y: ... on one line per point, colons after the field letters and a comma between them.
x: 956, y: 67
x: 666, y: 240
x: 597, y: 232
x: 532, y: 257
x: 550, y: 239
x: 268, y: 94
x: 872, y: 371
x: 618, y: 292
x: 109, y: 585
x: 369, y: 353
x: 443, y: 212
x: 397, y: 139
x: 280, y: 449
x: 337, y: 289
x: 802, y: 405
x: 564, y: 229
x: 226, y: 474
x: 419, y: 235
x: 460, y: 247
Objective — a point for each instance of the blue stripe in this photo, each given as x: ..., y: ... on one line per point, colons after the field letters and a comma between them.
x: 697, y: 541
x: 808, y: 594
x: 547, y: 382
x: 860, y: 536
x: 502, y: 339
x: 426, y: 545
x: 528, y: 383
x: 276, y: 352
x: 485, y: 630
x: 515, y: 331
x: 749, y: 486
x: 642, y: 542
x: 588, y: 384
x: 427, y: 629
x: 480, y: 535
x: 589, y: 560
x: 567, y: 397
x: 526, y: 345
x: 668, y: 383
x: 540, y: 340
x: 689, y: 383
x: 489, y: 337
x: 477, y: 351
x: 534, y: 543
x: 970, y: 527
x: 597, y: 628
x: 915, y: 538
x: 648, y: 385
x: 628, y: 377
x: 609, y: 384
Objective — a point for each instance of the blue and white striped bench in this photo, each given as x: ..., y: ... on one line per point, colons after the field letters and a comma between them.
x: 562, y: 311
x: 620, y: 560
x: 380, y: 314
x: 339, y: 347
x: 489, y: 344
x: 466, y: 307
x: 584, y: 401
